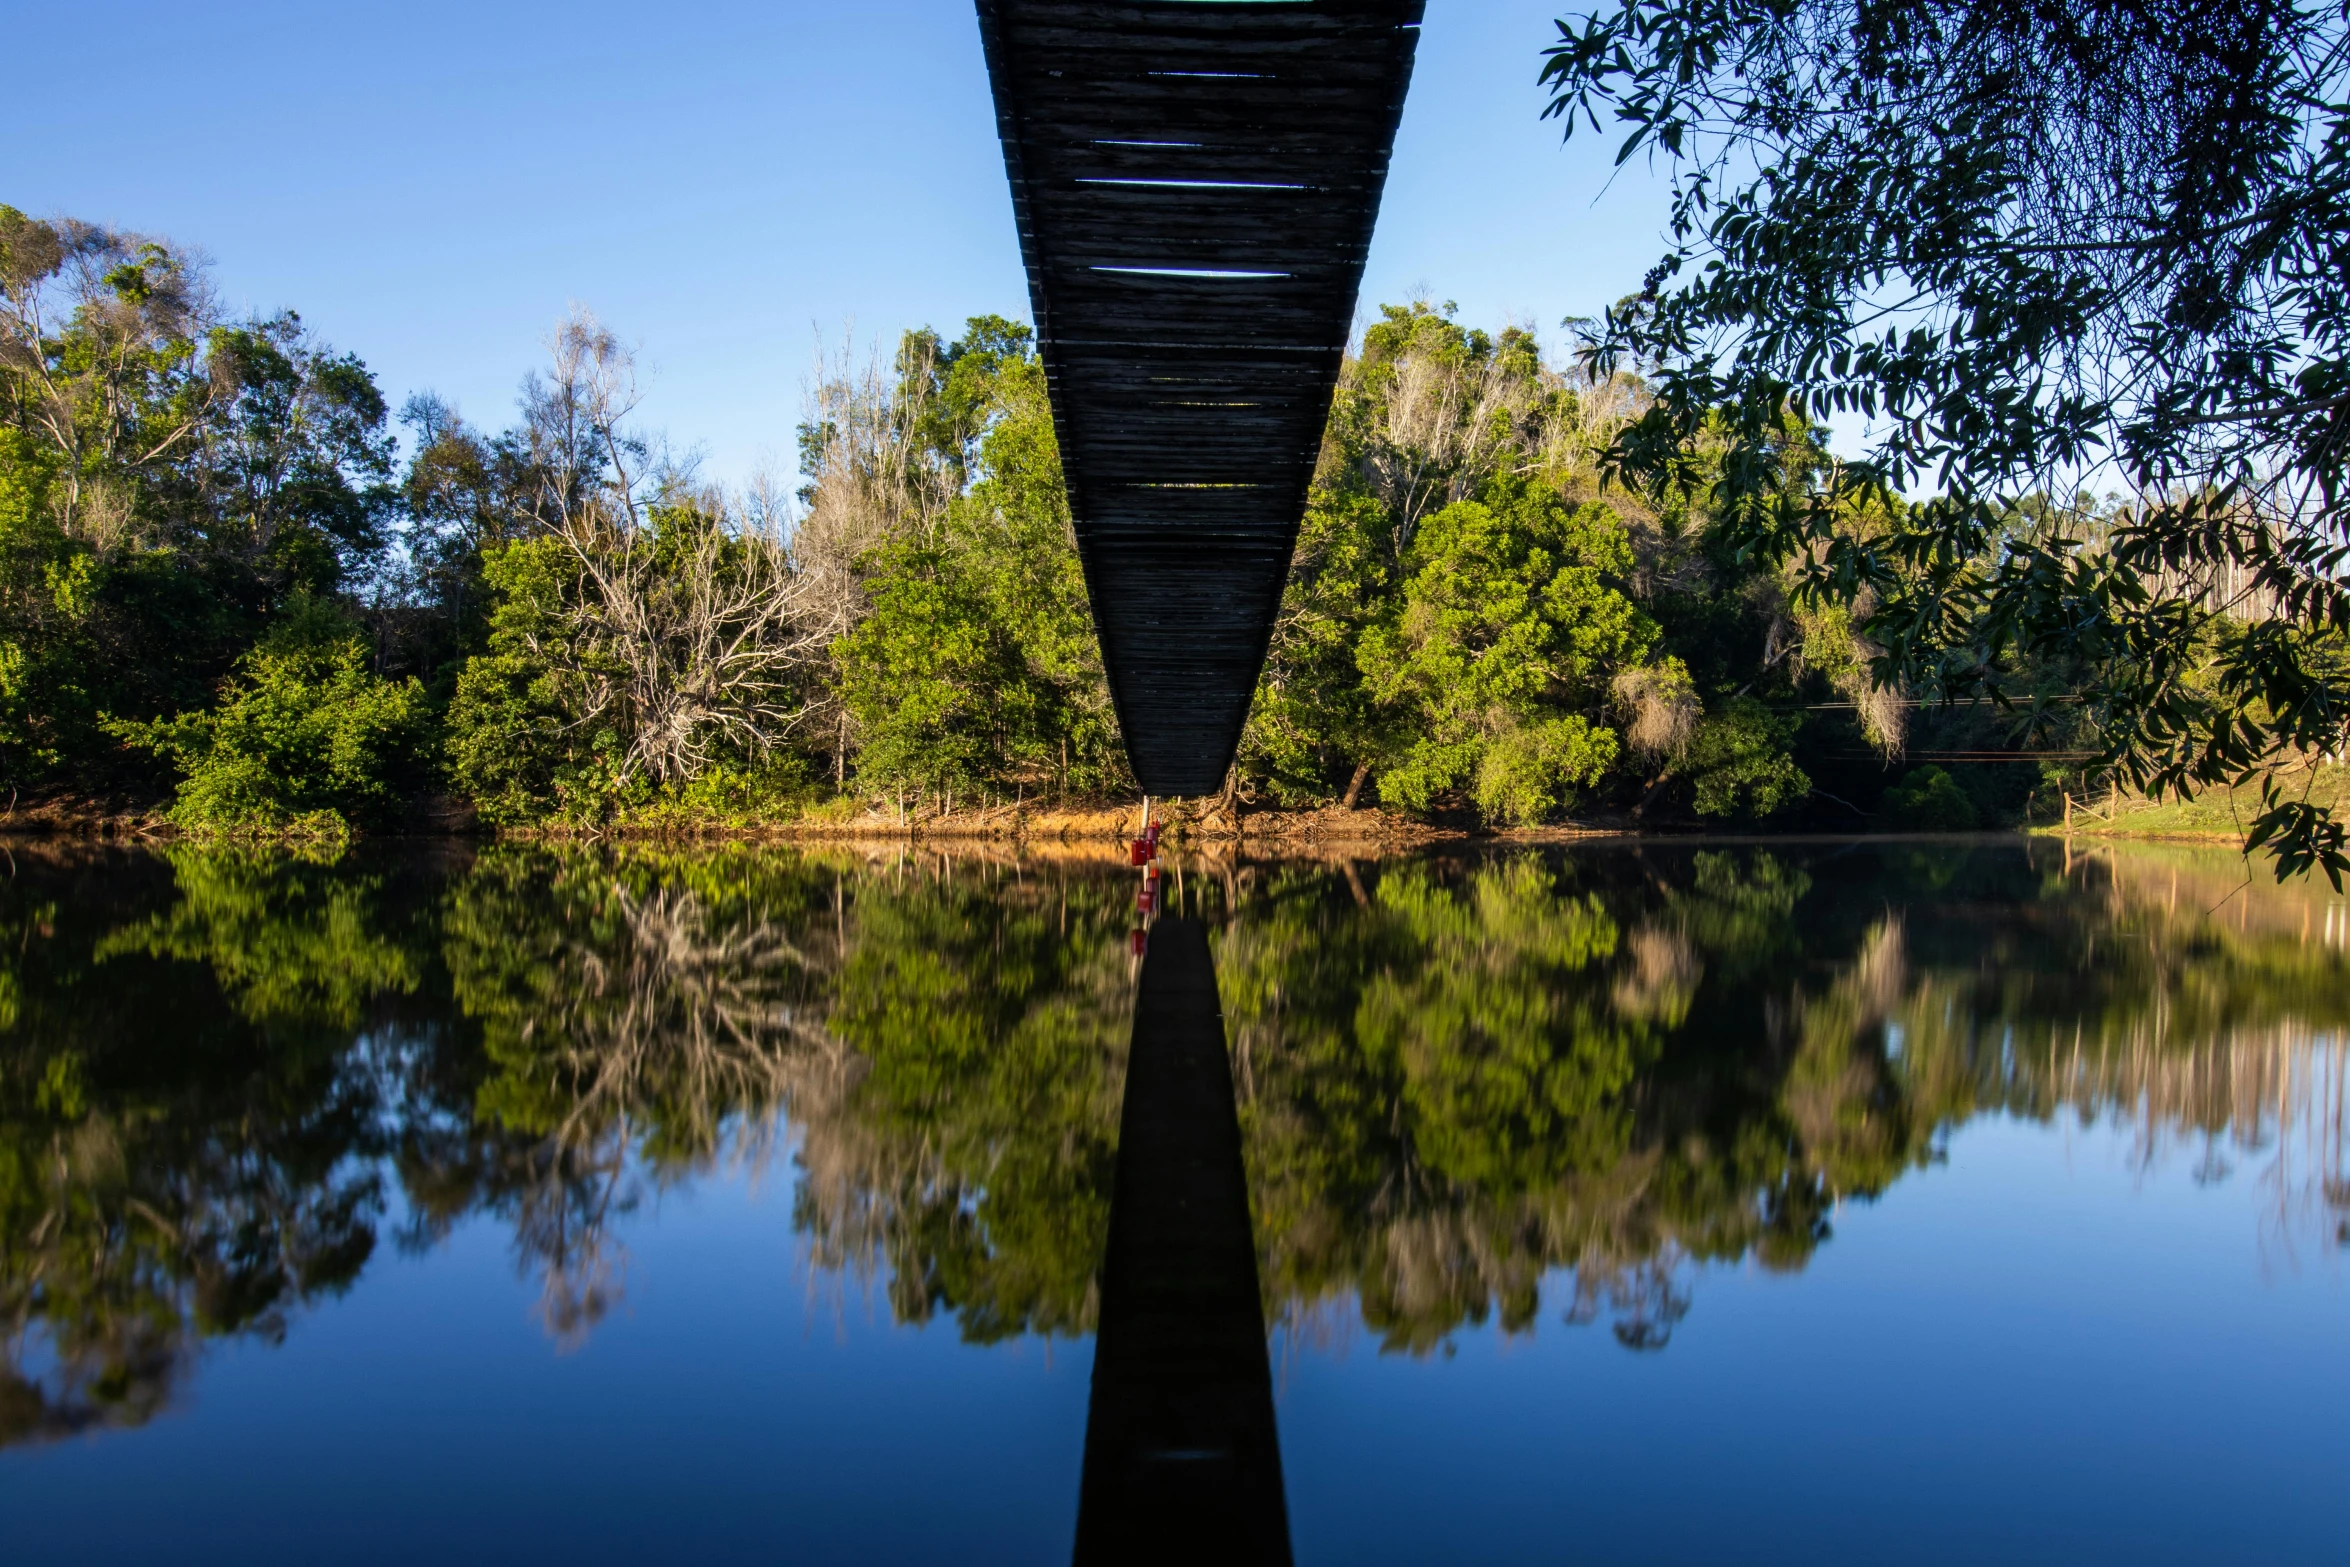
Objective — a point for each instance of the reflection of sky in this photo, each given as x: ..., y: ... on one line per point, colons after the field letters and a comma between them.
x: 2038, y: 1352
x: 2043, y: 1350
x: 727, y: 1404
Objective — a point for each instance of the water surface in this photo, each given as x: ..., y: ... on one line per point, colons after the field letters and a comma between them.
x: 1779, y: 1201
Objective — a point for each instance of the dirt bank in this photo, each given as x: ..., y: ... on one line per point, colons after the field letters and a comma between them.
x: 82, y: 816
x: 1181, y: 822
x: 1102, y: 827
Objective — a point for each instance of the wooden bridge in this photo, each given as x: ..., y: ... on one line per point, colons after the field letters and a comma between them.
x: 1196, y: 183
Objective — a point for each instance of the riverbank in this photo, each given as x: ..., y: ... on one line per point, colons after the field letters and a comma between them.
x: 1180, y: 821
x: 2217, y: 816
x: 1101, y: 824
x: 85, y: 816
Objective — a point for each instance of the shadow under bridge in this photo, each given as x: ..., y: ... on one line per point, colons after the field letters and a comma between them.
x: 1196, y: 183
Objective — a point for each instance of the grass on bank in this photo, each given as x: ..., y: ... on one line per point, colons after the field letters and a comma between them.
x: 2217, y: 815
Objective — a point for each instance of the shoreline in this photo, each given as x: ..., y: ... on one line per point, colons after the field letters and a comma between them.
x: 1180, y: 822
x: 1364, y: 831
x: 1100, y: 826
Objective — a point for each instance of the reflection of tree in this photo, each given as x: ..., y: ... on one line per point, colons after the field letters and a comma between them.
x: 1513, y: 1068
x: 972, y: 1156
x: 183, y: 1148
x: 1442, y: 1111
x: 1454, y: 1085
x: 1858, y: 1130
x: 946, y: 1049
x: 1439, y: 1091
x: 289, y: 940
x: 603, y: 1002
x: 632, y: 1012
x: 2158, y: 990
x: 199, y: 1085
x: 1642, y: 1299
x: 1660, y: 977
x: 1463, y: 1083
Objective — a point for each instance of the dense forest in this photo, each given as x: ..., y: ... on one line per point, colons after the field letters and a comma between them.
x: 1471, y: 1089
x: 234, y: 578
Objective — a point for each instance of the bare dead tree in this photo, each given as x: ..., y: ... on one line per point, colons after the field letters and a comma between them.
x: 696, y: 635
x: 1582, y: 415
x: 1444, y: 425
x: 693, y: 632
x: 871, y: 475
x: 588, y: 468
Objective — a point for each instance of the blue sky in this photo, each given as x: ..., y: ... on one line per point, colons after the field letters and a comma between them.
x: 727, y: 185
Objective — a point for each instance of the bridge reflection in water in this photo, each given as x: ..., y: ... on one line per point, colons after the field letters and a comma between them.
x: 1182, y: 1461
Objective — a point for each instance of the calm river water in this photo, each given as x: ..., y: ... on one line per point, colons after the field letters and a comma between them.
x: 1763, y: 1202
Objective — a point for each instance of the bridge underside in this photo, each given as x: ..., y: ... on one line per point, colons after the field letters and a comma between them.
x: 1196, y: 183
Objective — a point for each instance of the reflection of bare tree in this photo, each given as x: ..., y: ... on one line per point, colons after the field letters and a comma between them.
x: 1854, y: 1124
x: 1644, y: 1298
x: 704, y: 1021
x: 1440, y: 1265
x: 856, y: 1180
x: 96, y: 1329
x: 1660, y: 977
x: 653, y: 1040
x: 2279, y: 1093
x: 48, y: 1392
x: 564, y: 1206
x: 941, y: 1047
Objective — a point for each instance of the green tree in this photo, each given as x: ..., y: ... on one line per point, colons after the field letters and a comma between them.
x: 1510, y: 628
x: 934, y: 679
x: 2040, y: 248
x: 1314, y: 718
x: 1931, y: 799
x: 1427, y: 414
x: 973, y: 665
x: 1739, y: 763
x: 1432, y: 414
x: 168, y: 482
x: 306, y: 738
x: 511, y: 749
